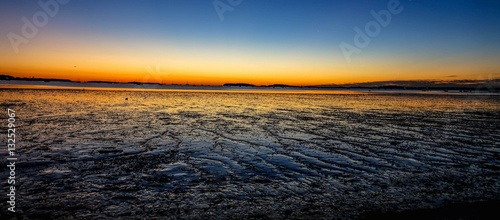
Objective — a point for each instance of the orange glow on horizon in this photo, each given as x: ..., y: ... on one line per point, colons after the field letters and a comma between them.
x: 216, y: 80
x: 57, y: 56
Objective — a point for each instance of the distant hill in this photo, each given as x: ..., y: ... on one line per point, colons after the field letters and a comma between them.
x: 7, y: 77
x: 282, y: 86
x: 493, y: 84
x: 463, y: 85
x: 240, y: 84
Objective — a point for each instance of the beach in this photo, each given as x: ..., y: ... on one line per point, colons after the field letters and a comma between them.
x: 220, y: 155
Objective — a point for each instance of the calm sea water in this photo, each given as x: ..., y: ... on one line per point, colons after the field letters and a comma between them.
x: 214, y: 154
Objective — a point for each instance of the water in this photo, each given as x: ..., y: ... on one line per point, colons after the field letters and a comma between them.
x: 211, y: 154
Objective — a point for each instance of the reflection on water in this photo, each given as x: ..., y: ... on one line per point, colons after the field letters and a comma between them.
x: 214, y: 154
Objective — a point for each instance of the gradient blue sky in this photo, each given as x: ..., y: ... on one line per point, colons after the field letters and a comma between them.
x: 262, y: 42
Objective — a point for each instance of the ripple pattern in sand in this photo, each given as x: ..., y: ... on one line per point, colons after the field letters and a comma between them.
x: 218, y: 155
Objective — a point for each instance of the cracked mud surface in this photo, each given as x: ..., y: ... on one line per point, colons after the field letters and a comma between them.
x: 209, y: 155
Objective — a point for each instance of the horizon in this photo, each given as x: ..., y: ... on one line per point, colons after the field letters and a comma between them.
x: 477, y: 85
x: 296, y: 43
x: 8, y: 77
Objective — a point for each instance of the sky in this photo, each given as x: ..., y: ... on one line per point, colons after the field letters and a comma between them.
x: 296, y: 42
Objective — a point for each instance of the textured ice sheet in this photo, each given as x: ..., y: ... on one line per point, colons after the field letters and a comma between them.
x: 93, y: 154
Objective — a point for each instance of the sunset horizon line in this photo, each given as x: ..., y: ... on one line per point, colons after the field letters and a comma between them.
x: 192, y: 82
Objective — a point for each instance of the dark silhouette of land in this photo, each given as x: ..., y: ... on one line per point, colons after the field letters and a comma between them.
x: 7, y: 77
x: 240, y: 84
x: 492, y: 85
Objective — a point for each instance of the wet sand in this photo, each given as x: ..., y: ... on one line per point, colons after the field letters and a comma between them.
x: 464, y: 211
x: 218, y: 155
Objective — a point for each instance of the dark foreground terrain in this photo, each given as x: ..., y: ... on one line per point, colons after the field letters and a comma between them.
x: 212, y: 155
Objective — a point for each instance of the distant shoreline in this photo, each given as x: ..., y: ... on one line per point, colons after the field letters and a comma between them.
x: 58, y: 85
x: 462, y: 86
